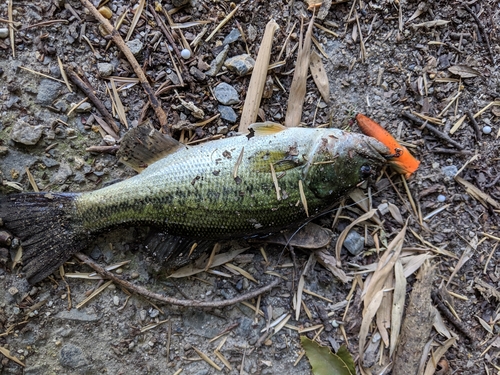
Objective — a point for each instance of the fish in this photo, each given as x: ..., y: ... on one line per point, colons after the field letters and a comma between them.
x: 402, y: 160
x: 236, y: 187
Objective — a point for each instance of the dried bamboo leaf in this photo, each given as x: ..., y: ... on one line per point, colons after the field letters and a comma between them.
x: 473, y: 191
x: 398, y: 304
x: 464, y: 71
x: 434, y: 359
x: 439, y: 324
x: 320, y: 78
x: 385, y: 266
x: 466, y: 255
x: 7, y: 354
x: 383, y: 319
x: 207, y: 359
x: 368, y: 315
x: 300, y: 288
x: 298, y: 86
x: 217, y: 261
x: 241, y: 271
x: 395, y: 213
x: 258, y: 79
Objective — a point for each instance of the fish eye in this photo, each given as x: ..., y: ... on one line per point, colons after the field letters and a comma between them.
x: 366, y: 171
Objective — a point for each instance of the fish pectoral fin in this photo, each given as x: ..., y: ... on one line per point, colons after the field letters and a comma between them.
x: 266, y: 128
x: 143, y: 145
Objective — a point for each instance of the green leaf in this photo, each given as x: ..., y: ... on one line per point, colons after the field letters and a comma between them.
x: 324, y: 362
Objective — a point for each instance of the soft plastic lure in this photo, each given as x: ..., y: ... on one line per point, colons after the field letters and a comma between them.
x: 401, y: 160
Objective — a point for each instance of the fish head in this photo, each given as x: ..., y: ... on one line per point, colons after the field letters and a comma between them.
x: 342, y: 161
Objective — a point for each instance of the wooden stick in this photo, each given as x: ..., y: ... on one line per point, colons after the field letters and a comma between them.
x: 475, y: 125
x: 174, y: 301
x: 115, y: 35
x: 89, y: 92
x: 432, y: 129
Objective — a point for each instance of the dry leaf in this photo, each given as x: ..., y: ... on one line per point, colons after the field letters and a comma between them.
x: 434, y: 359
x: 464, y: 71
x: 398, y: 304
x: 368, y: 315
x: 6, y: 353
x: 329, y: 262
x: 298, y: 86
x: 396, y: 214
x: 384, y: 312
x: 432, y: 23
x: 320, y: 78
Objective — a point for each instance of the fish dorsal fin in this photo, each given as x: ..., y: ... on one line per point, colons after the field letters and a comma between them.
x: 266, y: 128
x: 143, y: 145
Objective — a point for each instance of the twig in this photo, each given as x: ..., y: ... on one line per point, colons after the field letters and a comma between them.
x: 174, y: 301
x: 474, y: 125
x: 483, y: 31
x: 115, y: 35
x: 103, y: 149
x: 451, y: 318
x: 432, y: 129
x: 89, y: 92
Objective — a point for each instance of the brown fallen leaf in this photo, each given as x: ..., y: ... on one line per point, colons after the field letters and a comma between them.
x: 464, y: 71
x: 320, y: 78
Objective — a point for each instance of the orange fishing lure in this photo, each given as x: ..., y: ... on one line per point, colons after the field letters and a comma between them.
x: 402, y: 161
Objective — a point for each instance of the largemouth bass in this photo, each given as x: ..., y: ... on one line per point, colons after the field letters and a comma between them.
x: 234, y: 187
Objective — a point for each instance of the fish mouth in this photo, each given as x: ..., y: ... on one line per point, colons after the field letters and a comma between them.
x: 374, y: 150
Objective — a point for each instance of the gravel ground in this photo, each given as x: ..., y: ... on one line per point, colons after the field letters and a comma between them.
x: 376, y: 65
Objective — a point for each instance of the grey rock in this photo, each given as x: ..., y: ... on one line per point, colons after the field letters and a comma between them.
x: 232, y: 37
x: 227, y: 113
x: 77, y: 315
x: 202, y: 372
x: 84, y: 107
x: 4, y: 32
x: 62, y: 174
x: 179, y: 3
x: 241, y: 64
x: 24, y: 133
x: 55, y: 71
x: 48, y: 91
x: 354, y: 242
x: 49, y: 162
x: 222, y: 130
x: 226, y: 94
x: 72, y: 356
x: 450, y: 170
x: 217, y: 63
x: 174, y: 78
x: 105, y: 69
x: 37, y: 370
x: 61, y: 105
x: 12, y: 101
x: 3, y: 150
x: 135, y: 46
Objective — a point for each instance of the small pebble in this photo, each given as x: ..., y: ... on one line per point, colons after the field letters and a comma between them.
x: 116, y: 300
x: 4, y: 32
x: 441, y: 198
x: 185, y: 53
x: 487, y: 129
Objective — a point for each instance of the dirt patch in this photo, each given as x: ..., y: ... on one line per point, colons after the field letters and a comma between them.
x: 438, y: 62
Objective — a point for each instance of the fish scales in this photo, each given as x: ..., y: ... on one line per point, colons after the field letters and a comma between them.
x: 201, y: 192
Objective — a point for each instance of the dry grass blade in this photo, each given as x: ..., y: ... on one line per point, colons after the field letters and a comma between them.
x: 275, y: 182
x: 7, y: 354
x: 320, y: 78
x: 241, y: 271
x: 368, y: 315
x: 11, y: 27
x: 385, y: 266
x: 466, y: 255
x: 258, y: 79
x: 223, y: 22
x: 238, y: 162
x: 63, y: 74
x: 31, y: 180
x: 207, y: 359
x: 137, y: 16
x: 345, y: 232
x: 436, y: 356
x: 398, y: 304
x: 476, y: 193
x: 303, y: 198
x: 96, y: 292
x: 41, y: 74
x: 118, y: 103
x: 298, y: 86
x: 300, y: 288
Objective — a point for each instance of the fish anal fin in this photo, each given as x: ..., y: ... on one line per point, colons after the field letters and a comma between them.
x: 266, y: 128
x: 143, y: 145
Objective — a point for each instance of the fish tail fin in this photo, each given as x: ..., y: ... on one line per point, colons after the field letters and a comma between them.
x: 49, y: 232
